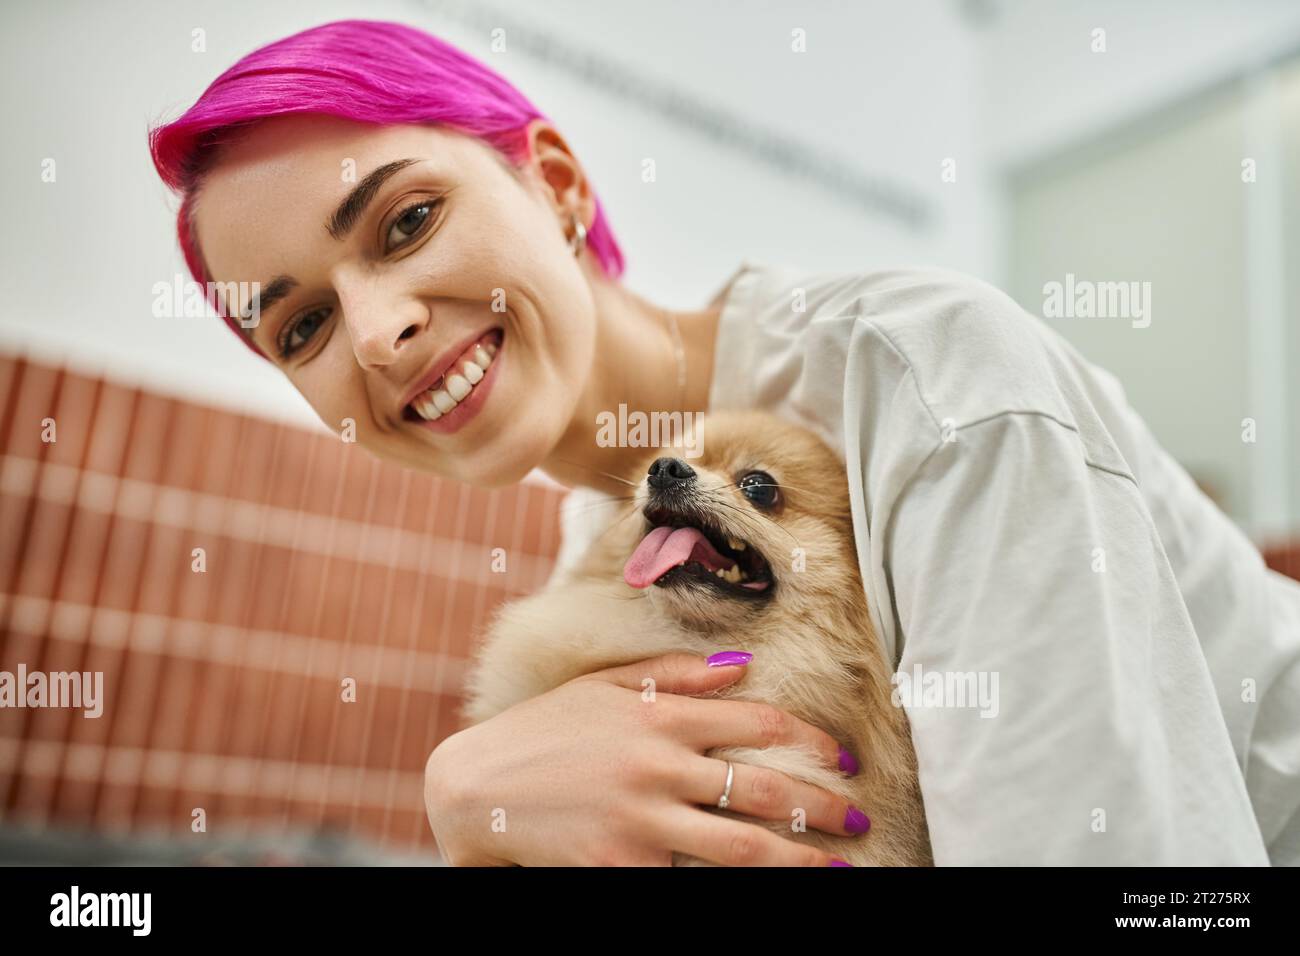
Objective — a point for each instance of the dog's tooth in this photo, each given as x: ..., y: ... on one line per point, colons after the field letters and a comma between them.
x: 719, y: 573
x: 735, y: 545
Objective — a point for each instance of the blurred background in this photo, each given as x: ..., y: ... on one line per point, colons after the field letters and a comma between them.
x: 233, y: 569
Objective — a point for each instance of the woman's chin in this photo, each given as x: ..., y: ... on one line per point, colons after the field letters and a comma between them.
x: 501, y: 476
x: 505, y: 464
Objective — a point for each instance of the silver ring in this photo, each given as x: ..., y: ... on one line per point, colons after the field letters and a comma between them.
x: 724, y: 801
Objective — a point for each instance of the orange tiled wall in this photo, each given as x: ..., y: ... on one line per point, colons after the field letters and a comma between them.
x: 1284, y: 558
x: 223, y: 688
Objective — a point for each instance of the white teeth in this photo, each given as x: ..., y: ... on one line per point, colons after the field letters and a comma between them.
x: 425, y: 408
x: 735, y: 545
x: 458, y: 387
x: 732, y: 575
x: 432, y: 405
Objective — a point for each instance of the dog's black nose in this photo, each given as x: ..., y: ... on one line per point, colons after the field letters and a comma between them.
x: 668, y: 473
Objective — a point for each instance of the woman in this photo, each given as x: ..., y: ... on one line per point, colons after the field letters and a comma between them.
x: 402, y: 206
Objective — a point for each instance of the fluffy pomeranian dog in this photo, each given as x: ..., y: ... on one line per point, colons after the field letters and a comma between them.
x: 748, y: 546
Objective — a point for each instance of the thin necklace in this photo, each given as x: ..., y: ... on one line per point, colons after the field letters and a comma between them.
x: 679, y: 350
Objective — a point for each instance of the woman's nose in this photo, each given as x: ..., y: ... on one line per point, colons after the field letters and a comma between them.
x: 379, y: 346
x: 380, y: 324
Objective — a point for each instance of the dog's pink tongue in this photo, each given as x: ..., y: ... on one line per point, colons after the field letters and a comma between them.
x: 663, y: 549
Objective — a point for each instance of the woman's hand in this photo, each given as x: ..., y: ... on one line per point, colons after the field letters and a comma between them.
x: 594, y: 774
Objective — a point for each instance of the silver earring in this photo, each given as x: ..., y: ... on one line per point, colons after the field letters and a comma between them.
x: 579, y: 240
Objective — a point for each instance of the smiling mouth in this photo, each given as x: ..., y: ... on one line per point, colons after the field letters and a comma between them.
x: 678, y: 551
x: 456, y: 384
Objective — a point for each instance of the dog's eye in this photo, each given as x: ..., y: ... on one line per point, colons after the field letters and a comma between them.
x: 760, y: 488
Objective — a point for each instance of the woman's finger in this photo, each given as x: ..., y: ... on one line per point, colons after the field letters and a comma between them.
x: 728, y: 842
x: 706, y: 724
x: 678, y: 673
x: 770, y: 795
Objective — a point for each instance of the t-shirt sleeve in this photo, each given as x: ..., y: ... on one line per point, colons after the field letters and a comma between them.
x: 1061, y: 707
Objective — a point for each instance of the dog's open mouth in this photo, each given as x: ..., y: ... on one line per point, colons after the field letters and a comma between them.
x: 674, y: 552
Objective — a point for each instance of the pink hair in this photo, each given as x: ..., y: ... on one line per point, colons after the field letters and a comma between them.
x: 369, y: 71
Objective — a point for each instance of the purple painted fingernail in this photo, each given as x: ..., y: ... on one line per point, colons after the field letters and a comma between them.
x: 848, y: 763
x: 839, y: 863
x: 730, y: 659
x: 855, y: 821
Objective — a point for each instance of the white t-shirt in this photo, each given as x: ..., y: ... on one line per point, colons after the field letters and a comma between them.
x: 1016, y: 522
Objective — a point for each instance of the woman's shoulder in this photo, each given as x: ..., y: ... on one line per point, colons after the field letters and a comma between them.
x: 959, y: 346
x: 943, y: 323
x: 894, y: 298
x: 920, y: 309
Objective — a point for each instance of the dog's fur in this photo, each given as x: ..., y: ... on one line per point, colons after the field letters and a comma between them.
x: 816, y: 654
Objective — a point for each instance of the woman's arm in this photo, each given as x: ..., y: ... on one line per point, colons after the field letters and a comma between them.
x: 1022, y: 569
x: 592, y: 774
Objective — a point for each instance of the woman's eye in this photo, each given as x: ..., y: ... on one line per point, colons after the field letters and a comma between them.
x: 760, y: 488
x: 299, y: 332
x: 408, y: 224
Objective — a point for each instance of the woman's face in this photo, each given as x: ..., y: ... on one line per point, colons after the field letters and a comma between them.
x: 445, y: 259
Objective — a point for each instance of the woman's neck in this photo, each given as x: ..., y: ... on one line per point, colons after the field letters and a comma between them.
x: 635, y: 366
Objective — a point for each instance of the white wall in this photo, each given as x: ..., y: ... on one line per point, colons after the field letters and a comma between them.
x: 1126, y: 165
x: 1168, y: 210
x: 1043, y: 87
x: 1289, y: 213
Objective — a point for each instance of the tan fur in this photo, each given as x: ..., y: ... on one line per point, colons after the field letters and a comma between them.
x: 815, y: 651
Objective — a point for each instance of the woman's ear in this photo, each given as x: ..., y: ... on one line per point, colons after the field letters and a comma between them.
x: 554, y: 164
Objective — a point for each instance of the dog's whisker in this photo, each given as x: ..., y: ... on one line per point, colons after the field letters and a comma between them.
x: 597, y: 471
x: 595, y: 505
x: 615, y: 523
x: 714, y: 499
x: 781, y: 486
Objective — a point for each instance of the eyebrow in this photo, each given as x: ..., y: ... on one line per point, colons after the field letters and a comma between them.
x: 355, y: 202
x: 271, y: 293
x: 340, y: 223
